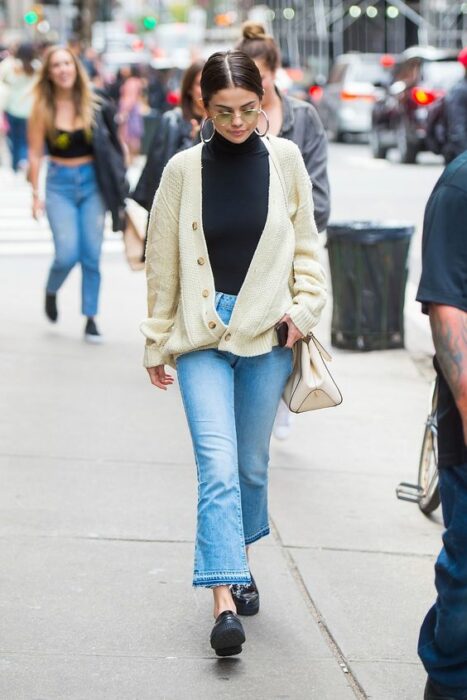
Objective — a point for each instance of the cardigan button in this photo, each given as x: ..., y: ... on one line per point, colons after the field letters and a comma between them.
x: 200, y: 261
x: 194, y: 225
x: 212, y: 324
x: 205, y: 293
x: 227, y: 336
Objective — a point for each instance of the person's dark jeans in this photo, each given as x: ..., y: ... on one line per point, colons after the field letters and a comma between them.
x: 17, y: 140
x: 442, y: 644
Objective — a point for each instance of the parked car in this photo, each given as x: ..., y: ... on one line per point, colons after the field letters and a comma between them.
x: 346, y: 100
x: 421, y: 76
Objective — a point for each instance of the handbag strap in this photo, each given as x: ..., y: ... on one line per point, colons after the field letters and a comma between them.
x: 321, y: 349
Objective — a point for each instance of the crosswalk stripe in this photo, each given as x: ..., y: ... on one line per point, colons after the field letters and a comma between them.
x: 19, y: 233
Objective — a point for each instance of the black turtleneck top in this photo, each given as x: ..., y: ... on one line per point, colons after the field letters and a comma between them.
x: 235, y: 180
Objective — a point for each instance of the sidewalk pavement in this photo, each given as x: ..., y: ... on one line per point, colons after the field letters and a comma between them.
x: 97, y: 518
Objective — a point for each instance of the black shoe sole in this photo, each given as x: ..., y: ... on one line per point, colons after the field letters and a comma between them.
x: 228, y: 642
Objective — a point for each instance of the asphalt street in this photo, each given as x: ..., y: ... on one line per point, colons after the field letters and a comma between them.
x: 97, y: 505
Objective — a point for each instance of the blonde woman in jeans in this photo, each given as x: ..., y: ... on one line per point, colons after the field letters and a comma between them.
x: 232, y: 251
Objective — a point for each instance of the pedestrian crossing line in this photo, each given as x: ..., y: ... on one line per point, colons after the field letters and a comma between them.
x: 23, y: 248
x: 20, y: 234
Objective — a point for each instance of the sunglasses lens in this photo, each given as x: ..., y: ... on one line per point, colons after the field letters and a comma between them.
x: 224, y: 118
x: 250, y: 115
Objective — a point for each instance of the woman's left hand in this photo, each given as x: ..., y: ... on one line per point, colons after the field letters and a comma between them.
x: 294, y: 334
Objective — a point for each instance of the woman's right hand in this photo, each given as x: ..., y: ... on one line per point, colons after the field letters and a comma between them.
x: 159, y: 377
x: 37, y: 208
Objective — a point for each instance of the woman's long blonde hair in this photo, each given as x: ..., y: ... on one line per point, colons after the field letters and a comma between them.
x: 85, y: 101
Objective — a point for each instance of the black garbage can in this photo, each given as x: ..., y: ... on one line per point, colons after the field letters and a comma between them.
x: 368, y: 261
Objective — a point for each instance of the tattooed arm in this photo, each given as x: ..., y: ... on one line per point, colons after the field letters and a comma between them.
x: 449, y: 330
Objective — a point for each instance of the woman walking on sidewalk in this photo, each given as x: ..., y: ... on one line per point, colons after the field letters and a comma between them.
x: 17, y: 77
x: 178, y: 129
x: 232, y: 251
x: 85, y: 175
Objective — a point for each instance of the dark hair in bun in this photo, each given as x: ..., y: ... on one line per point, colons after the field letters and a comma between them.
x: 259, y: 45
x: 226, y: 69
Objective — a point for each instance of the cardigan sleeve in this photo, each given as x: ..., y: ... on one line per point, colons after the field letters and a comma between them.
x: 309, y: 288
x: 162, y: 265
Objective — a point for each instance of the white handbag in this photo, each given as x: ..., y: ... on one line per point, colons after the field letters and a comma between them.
x: 311, y: 386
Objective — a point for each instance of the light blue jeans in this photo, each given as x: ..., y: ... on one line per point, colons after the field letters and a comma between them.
x: 75, y: 210
x: 230, y: 403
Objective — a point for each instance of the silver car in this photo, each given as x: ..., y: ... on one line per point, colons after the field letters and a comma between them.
x: 346, y: 101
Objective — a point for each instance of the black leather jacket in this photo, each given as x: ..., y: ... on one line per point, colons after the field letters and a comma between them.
x: 172, y: 134
x: 456, y: 119
x: 109, y: 161
x: 303, y: 126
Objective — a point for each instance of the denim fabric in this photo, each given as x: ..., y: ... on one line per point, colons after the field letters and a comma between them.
x: 443, y: 637
x: 230, y: 403
x: 17, y: 140
x: 75, y: 210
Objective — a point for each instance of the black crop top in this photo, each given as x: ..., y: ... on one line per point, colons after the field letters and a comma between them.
x: 70, y: 144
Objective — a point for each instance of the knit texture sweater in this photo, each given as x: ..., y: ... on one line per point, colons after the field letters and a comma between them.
x: 284, y: 276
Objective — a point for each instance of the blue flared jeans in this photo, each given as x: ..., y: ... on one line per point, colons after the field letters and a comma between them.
x: 75, y: 210
x: 230, y: 403
x: 443, y: 637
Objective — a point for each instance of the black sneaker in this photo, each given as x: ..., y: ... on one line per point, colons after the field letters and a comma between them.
x: 91, y: 334
x: 51, y: 307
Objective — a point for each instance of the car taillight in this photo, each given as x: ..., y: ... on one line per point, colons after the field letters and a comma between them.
x: 173, y: 98
x: 347, y: 95
x: 316, y: 92
x: 424, y: 97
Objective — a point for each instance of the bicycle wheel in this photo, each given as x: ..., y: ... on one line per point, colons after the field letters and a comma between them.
x: 428, y: 478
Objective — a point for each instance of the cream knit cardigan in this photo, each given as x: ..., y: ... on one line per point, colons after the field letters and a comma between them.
x: 284, y: 275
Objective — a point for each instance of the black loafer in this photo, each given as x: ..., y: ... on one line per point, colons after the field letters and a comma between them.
x: 227, y: 635
x: 51, y: 307
x: 433, y: 692
x: 246, y: 598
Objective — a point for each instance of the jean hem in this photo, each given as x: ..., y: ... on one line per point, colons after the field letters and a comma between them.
x: 254, y: 538
x: 227, y: 579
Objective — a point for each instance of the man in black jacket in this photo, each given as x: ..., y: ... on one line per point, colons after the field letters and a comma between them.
x: 456, y: 115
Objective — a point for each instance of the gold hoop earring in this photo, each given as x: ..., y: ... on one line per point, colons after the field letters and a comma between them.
x: 203, y: 124
x: 261, y: 111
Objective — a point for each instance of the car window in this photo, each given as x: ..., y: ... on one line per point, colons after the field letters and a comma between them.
x: 367, y: 73
x: 337, y: 73
x: 409, y: 71
x: 442, y: 74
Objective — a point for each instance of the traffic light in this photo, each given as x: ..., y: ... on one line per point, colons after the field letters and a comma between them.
x: 149, y: 22
x: 33, y: 15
